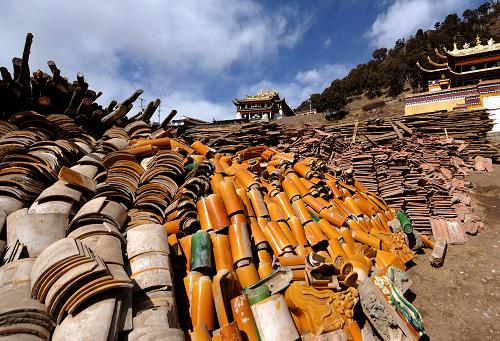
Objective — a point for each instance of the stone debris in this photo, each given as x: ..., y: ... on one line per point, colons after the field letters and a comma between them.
x: 112, y: 228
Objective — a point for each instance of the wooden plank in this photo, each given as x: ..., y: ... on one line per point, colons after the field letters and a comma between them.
x: 404, y: 127
x: 355, y: 132
x: 400, y: 136
x: 368, y: 139
x: 211, y: 143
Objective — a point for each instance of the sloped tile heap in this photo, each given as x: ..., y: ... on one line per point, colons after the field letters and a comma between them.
x: 270, y: 221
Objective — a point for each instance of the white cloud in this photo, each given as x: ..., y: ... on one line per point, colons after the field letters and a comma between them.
x: 172, y: 49
x: 327, y: 42
x: 319, y: 77
x: 404, y: 17
x: 304, y: 83
x: 193, y: 106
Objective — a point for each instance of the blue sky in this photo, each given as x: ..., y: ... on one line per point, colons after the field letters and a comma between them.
x: 196, y: 55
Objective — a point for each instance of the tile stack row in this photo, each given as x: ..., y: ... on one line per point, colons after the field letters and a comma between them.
x: 471, y: 126
x: 36, y: 245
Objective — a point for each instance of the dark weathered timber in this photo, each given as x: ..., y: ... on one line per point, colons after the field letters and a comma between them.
x: 24, y: 76
x: 6, y: 76
x: 149, y: 111
x: 16, y: 64
x: 122, y: 109
x: 169, y: 118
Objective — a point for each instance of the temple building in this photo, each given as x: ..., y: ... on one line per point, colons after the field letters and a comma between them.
x: 465, y: 78
x: 265, y: 105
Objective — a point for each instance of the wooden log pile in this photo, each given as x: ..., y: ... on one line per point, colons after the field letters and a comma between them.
x: 74, y: 103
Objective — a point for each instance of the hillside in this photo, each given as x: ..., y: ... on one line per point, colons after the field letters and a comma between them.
x: 391, y: 74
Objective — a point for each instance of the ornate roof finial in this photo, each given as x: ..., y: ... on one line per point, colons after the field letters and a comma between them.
x: 478, y: 40
x: 455, y: 46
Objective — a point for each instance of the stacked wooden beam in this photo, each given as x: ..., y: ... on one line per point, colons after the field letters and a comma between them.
x: 471, y: 126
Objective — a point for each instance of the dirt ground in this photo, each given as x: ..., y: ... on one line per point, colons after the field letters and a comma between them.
x: 393, y: 107
x: 461, y: 300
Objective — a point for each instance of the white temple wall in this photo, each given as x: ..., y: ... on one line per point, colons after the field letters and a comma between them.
x: 493, y: 104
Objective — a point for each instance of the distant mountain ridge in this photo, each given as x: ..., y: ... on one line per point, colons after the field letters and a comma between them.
x: 393, y: 72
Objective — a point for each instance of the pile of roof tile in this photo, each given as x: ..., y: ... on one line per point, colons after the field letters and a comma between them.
x: 274, y: 225
x: 273, y: 233
x: 421, y: 175
x: 111, y: 228
x: 64, y: 199
x: 470, y: 126
x: 21, y: 315
x: 230, y: 139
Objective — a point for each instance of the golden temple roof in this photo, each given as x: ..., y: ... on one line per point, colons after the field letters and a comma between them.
x: 468, y: 50
x: 435, y: 63
x: 440, y: 55
x: 433, y: 70
x: 263, y: 95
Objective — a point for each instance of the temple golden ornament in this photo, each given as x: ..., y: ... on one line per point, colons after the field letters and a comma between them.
x: 265, y: 105
x: 478, y: 48
x: 466, y: 78
x: 264, y: 94
x: 319, y: 311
